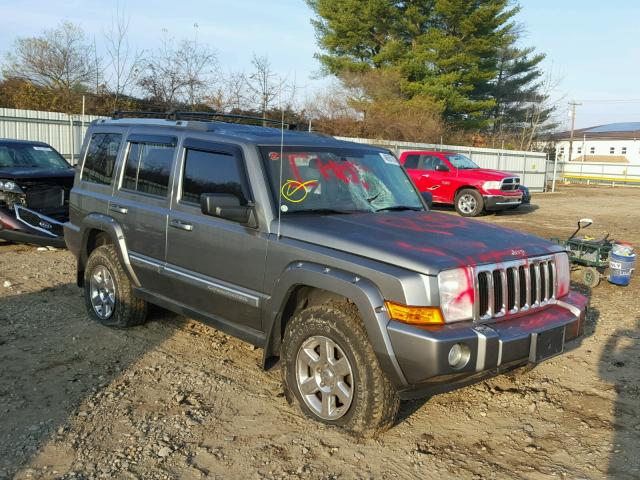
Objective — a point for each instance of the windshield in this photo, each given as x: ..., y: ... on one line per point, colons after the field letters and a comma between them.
x: 29, y: 155
x: 461, y: 162
x: 334, y: 180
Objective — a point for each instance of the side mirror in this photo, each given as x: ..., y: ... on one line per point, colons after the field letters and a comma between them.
x: 227, y: 206
x: 584, y: 222
x: 428, y: 198
x: 442, y: 168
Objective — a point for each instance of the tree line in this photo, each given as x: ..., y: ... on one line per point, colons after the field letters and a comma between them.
x: 415, y: 70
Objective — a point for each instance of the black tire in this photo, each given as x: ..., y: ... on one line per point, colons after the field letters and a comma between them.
x: 469, y: 203
x: 590, y: 277
x: 375, y: 401
x: 127, y: 311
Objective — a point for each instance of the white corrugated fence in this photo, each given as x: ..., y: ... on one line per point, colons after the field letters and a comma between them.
x: 66, y: 132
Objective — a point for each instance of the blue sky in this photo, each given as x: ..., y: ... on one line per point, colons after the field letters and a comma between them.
x: 592, y: 46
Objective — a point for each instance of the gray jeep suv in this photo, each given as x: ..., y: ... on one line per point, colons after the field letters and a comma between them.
x: 320, y: 252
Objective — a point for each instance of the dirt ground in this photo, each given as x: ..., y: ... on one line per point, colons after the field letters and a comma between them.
x: 177, y: 399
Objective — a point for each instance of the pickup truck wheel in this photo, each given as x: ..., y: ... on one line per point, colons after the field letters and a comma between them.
x: 469, y: 203
x: 108, y: 293
x: 330, y: 368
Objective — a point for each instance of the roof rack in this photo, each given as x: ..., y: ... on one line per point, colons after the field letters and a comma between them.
x: 199, y: 116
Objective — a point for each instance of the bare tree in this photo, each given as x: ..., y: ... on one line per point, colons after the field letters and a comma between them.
x: 264, y: 85
x: 124, y: 63
x: 178, y: 74
x: 235, y: 86
x: 59, y: 60
x: 540, y: 118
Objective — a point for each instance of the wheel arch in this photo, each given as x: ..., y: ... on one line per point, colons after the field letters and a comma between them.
x: 304, y: 284
x: 465, y: 187
x: 97, y: 230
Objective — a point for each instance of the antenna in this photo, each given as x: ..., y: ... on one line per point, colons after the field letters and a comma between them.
x: 281, y: 160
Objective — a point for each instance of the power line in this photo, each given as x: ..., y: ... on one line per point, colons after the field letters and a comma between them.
x: 628, y: 100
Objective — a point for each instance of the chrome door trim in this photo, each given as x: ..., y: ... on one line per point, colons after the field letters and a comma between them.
x: 214, y: 285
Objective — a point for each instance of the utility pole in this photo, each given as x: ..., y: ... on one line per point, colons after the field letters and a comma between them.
x: 573, y: 104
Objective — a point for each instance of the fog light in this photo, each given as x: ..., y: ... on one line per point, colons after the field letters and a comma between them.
x: 459, y: 356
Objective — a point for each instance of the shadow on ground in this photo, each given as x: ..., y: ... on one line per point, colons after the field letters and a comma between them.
x: 47, y: 338
x: 522, y: 210
x: 619, y: 365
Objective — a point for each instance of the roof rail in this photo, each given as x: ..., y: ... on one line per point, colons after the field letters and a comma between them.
x: 199, y: 116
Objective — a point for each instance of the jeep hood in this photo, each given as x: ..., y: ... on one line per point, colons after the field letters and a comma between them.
x: 425, y: 242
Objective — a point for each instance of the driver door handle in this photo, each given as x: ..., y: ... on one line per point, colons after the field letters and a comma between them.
x: 119, y: 209
x: 180, y: 225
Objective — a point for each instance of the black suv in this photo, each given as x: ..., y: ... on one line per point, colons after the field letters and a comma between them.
x: 35, y: 181
x: 319, y: 251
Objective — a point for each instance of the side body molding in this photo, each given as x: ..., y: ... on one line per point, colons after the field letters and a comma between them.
x: 362, y: 292
x: 112, y: 228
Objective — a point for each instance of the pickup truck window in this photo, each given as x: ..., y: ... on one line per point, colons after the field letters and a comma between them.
x: 461, y: 162
x: 101, y: 158
x: 209, y: 172
x: 148, y: 167
x: 339, y: 180
x: 412, y: 162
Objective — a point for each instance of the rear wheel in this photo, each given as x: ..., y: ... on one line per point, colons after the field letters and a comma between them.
x: 469, y: 203
x: 108, y: 292
x: 330, y: 369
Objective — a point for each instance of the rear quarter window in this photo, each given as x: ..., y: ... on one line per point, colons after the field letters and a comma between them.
x: 100, y: 160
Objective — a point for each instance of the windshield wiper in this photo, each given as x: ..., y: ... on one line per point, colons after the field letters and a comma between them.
x: 318, y: 210
x: 398, y: 208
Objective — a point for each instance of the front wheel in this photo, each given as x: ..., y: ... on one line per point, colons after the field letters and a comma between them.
x: 331, y: 370
x: 469, y: 203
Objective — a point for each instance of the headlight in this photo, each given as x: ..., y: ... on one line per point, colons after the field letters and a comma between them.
x: 563, y: 274
x: 491, y: 185
x: 456, y: 294
x: 10, y: 186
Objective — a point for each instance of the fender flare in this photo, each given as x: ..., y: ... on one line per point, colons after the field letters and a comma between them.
x: 361, y: 291
x: 107, y: 224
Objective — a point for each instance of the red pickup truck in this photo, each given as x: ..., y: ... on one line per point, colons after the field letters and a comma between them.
x: 454, y: 179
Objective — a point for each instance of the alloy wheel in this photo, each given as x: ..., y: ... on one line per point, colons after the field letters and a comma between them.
x: 324, y: 377
x: 103, y: 292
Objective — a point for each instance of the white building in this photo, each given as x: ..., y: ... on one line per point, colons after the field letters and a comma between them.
x: 612, y: 143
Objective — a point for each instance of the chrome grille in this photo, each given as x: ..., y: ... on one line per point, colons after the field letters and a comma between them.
x: 512, y: 287
x: 510, y: 183
x: 38, y: 221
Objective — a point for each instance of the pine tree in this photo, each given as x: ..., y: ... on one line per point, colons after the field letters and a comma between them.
x: 520, y: 96
x: 447, y: 49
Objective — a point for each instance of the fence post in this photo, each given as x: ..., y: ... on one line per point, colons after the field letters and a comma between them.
x: 546, y: 172
x: 524, y: 167
x: 71, y: 140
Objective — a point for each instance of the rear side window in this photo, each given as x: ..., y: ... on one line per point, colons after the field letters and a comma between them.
x: 411, y: 161
x: 148, y: 168
x: 209, y: 172
x: 101, y: 156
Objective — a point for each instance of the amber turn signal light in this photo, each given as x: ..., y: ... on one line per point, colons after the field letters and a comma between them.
x: 414, y: 315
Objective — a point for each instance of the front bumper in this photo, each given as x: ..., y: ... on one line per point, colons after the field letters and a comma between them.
x: 16, y: 228
x: 498, y: 202
x: 422, y: 352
